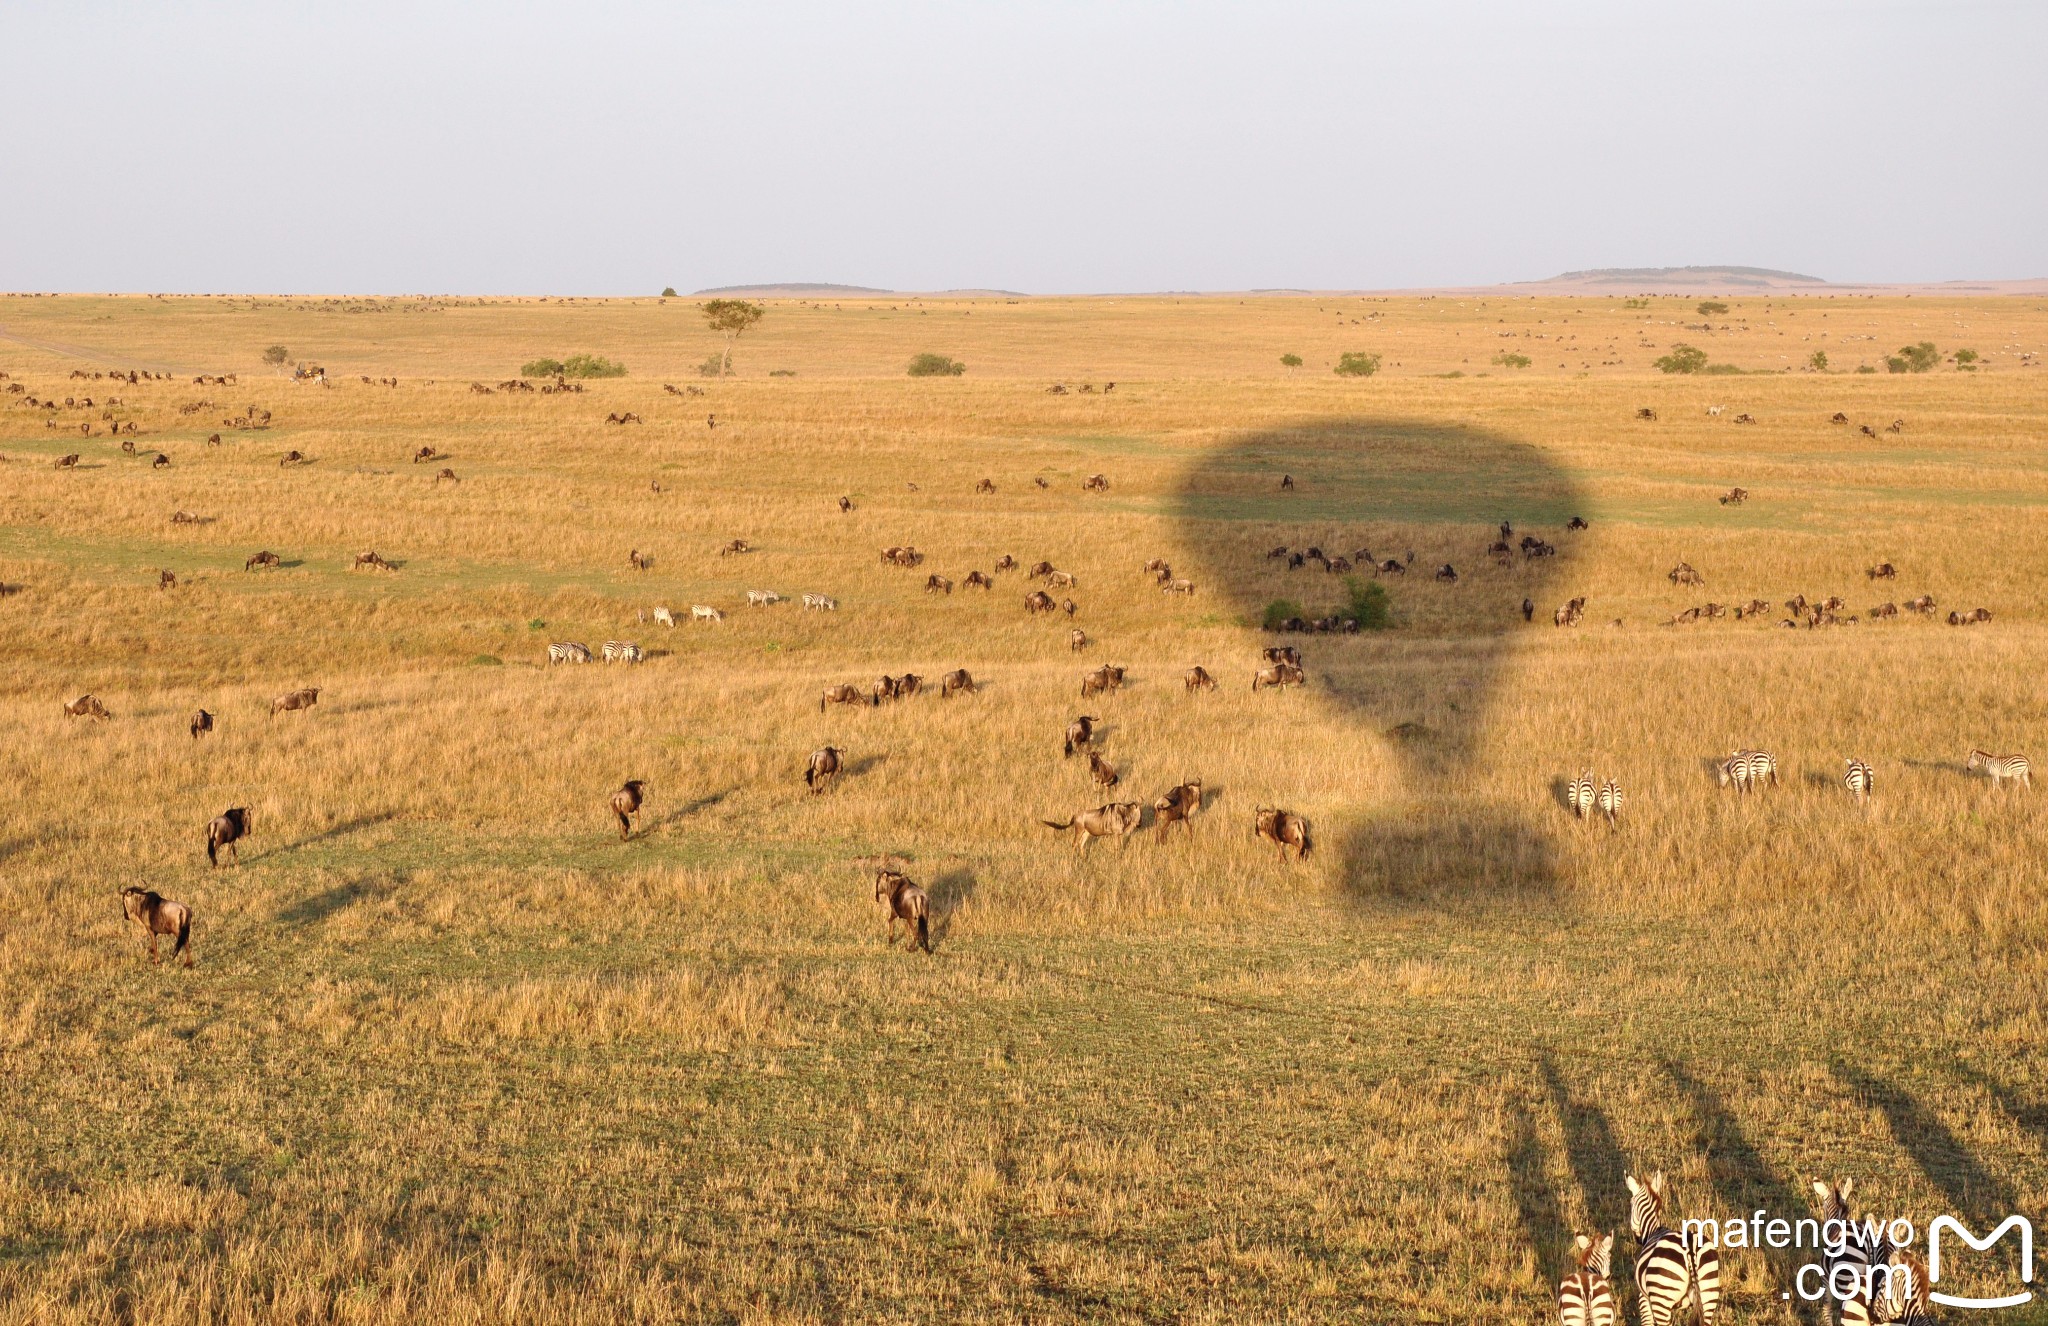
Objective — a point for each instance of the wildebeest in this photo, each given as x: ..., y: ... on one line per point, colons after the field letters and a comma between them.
x: 907, y: 903
x: 1178, y: 587
x: 1646, y: 412
x: 735, y: 546
x: 304, y: 698
x: 959, y: 679
x: 265, y: 558
x: 1059, y: 580
x: 1392, y: 568
x: 985, y: 486
x: 1528, y: 610
x: 162, y: 462
x: 1925, y: 603
x: 1683, y: 574
x: 1576, y: 522
x: 1077, y: 640
x: 640, y: 561
x: 1884, y: 611
x: 1081, y: 732
x: 1283, y: 829
x: 824, y: 766
x: 227, y: 829
x: 1099, y: 769
x: 1447, y: 573
x: 1069, y: 607
x: 1839, y: 418
x: 1734, y: 497
x: 185, y: 518
x: 166, y: 579
x: 1118, y: 819
x: 1096, y: 483
x: 202, y: 722
x: 425, y: 454
x: 626, y: 804
x: 371, y: 560
x: 1180, y: 804
x: 448, y: 475
x: 158, y: 915
x: 1038, y: 601
x: 842, y: 695
x: 291, y: 458
x: 845, y: 505
x: 1005, y: 563
x: 1197, y: 678
x: 1108, y: 677
x: 1041, y: 569
x: 1882, y: 571
x: 1277, y: 674
x: 978, y: 580
x: 87, y: 706
x: 1281, y: 654
x: 68, y: 462
x: 937, y: 584
x: 1287, y: 483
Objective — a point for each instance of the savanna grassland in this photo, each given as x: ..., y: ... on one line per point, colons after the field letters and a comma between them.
x: 452, y: 1051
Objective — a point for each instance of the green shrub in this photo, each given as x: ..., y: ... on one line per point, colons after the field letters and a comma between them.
x: 668, y: 292
x: 1279, y: 611
x: 1865, y: 368
x: 1725, y: 370
x: 1682, y: 359
x: 781, y: 372
x: 1509, y: 359
x: 1290, y: 361
x: 711, y: 367
x: 1369, y: 605
x: 1712, y: 308
x: 1966, y: 357
x: 1635, y: 303
x: 276, y: 354
x: 592, y: 366
x: 1357, y: 364
x: 1818, y: 361
x: 537, y: 624
x: 1914, y: 358
x: 936, y: 366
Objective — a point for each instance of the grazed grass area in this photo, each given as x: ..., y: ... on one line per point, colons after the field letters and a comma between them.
x: 454, y: 1051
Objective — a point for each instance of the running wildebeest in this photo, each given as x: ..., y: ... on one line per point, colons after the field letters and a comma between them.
x: 626, y: 804
x: 158, y: 915
x: 304, y: 698
x: 1283, y: 829
x: 87, y: 706
x: 202, y: 722
x: 226, y: 830
x: 1180, y: 804
x: 907, y: 903
x: 1118, y: 819
x: 959, y: 679
x: 1081, y: 732
x: 824, y: 767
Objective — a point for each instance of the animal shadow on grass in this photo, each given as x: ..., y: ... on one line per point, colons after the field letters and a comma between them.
x: 1956, y: 1174
x: 1742, y: 1179
x: 692, y: 807
x: 1387, y: 485
x: 1593, y: 1157
x: 950, y: 891
x: 855, y: 768
x: 1816, y: 779
x: 337, y: 831
x: 311, y: 911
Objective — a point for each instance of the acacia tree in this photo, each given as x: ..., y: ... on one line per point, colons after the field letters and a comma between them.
x: 731, y: 317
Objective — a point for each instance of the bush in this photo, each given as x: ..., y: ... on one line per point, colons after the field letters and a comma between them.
x: 1369, y: 605
x: 668, y: 292
x: 1635, y: 303
x: 1357, y: 364
x: 781, y: 372
x: 592, y: 366
x: 1865, y: 368
x: 1914, y: 358
x: 1290, y: 361
x: 1818, y: 361
x: 711, y: 367
x: 540, y: 368
x: 1682, y: 359
x: 1509, y: 359
x: 1965, y: 358
x: 1712, y: 307
x: 1279, y: 611
x: 276, y: 354
x: 936, y: 366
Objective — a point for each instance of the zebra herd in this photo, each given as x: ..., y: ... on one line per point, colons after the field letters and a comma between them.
x: 1752, y: 770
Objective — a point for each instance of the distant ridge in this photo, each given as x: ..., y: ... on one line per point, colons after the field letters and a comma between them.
x: 796, y: 288
x: 1688, y: 279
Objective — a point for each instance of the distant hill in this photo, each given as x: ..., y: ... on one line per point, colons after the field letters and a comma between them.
x: 1682, y: 279
x: 796, y: 288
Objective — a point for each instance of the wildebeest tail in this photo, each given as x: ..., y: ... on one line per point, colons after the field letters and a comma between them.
x: 1054, y: 824
x: 184, y: 935
x: 212, y: 849
x: 924, y: 933
x: 810, y: 777
x: 1070, y: 746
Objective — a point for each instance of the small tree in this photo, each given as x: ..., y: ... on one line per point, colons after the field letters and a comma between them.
x: 936, y: 366
x: 276, y: 354
x: 1368, y: 604
x: 668, y: 292
x: 540, y: 368
x: 1509, y: 359
x: 1818, y: 361
x: 1357, y: 364
x: 1279, y: 612
x: 1290, y: 362
x: 1965, y: 358
x: 731, y: 317
x: 1914, y: 358
x: 1682, y: 359
x: 1710, y: 308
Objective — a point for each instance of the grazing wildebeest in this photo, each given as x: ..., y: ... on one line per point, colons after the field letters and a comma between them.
x: 1096, y: 483
x: 985, y: 486
x: 1077, y: 640
x: 162, y: 462
x: 184, y: 518
x: 937, y: 584
x: 1392, y: 568
x: 1059, y: 580
x: 1925, y: 603
x: 1197, y: 678
x: 1038, y: 601
x: 1042, y: 482
x: 1839, y: 418
x: 1287, y: 483
x: 265, y: 558
x: 425, y: 454
x: 626, y: 804
x: 842, y: 695
x: 158, y: 915
x: 1108, y: 677
x: 1283, y: 829
x: 1180, y: 804
x: 1118, y: 819
x: 213, y: 439
x: 1882, y: 571
x: 1278, y: 674
x: 1447, y: 573
x: 978, y: 580
x: 202, y: 722
x: 1041, y: 569
x: 68, y: 462
x: 1081, y: 732
x: 1069, y: 607
x: 166, y: 579
x: 1646, y: 413
x: 1005, y: 563
x: 291, y: 458
x: 907, y: 903
x: 447, y: 475
x: 959, y: 679
x: 1576, y: 522
x: 823, y: 768
x: 735, y: 546
x: 371, y: 560
x: 640, y: 561
x: 226, y: 830
x: 304, y: 698
x: 1179, y: 586
x: 1099, y: 769
x: 905, y: 686
x: 87, y: 706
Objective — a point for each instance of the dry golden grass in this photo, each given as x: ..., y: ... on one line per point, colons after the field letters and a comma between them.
x: 452, y: 1051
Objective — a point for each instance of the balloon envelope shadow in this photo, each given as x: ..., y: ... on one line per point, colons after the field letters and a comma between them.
x: 1421, y: 494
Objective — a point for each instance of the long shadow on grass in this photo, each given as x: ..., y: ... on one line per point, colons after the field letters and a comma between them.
x: 340, y: 830
x: 310, y: 911
x: 1743, y: 1180
x: 1962, y: 1180
x: 1389, y: 487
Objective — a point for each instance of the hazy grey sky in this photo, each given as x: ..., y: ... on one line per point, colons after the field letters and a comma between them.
x: 578, y: 147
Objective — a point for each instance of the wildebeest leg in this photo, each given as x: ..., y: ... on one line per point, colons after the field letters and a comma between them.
x: 153, y: 959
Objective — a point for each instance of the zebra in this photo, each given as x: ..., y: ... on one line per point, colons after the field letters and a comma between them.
x: 761, y: 598
x: 1861, y: 1246
x: 1671, y: 1271
x: 1747, y: 768
x: 1586, y: 1296
x: 568, y: 651
x: 1610, y: 799
x: 821, y: 602
x: 2002, y: 767
x: 702, y: 612
x: 665, y: 617
x: 622, y: 651
x: 1859, y: 779
x: 1580, y: 794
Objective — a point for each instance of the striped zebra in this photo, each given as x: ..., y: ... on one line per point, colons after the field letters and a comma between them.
x: 2002, y: 767
x: 1610, y: 799
x: 1749, y: 768
x: 821, y: 602
x: 622, y: 651
x: 1859, y: 779
x: 568, y: 651
x: 1580, y: 794
x: 1671, y: 1271
x: 1902, y: 1297
x: 1861, y: 1246
x: 1586, y: 1296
